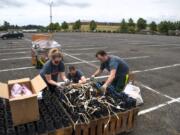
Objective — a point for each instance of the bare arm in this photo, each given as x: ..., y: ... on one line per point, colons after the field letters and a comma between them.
x: 50, y: 81
x: 63, y: 76
x: 111, y: 77
x: 98, y: 72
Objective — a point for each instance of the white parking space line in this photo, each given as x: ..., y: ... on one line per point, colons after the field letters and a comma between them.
x: 16, y: 69
x: 126, y: 58
x: 84, y: 49
x: 157, y: 68
x: 27, y: 39
x: 20, y: 58
x: 158, y: 106
x: 94, y: 61
x: 93, y: 65
x: 137, y: 42
x: 88, y: 53
x: 80, y: 62
x: 138, y: 57
x: 14, y: 53
x: 15, y: 49
x: 153, y: 90
x: 168, y: 45
x: 68, y: 46
x: 167, y: 48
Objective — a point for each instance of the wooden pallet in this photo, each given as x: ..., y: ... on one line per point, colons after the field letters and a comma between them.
x: 63, y: 131
x: 125, y: 123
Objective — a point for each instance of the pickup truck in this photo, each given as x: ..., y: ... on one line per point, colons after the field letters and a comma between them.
x: 8, y: 35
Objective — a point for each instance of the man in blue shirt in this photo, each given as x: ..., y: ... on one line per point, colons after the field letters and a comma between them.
x: 76, y: 76
x: 53, y: 68
x: 117, y: 67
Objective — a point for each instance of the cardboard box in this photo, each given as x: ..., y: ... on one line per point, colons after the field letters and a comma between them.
x: 24, y: 109
x: 40, y: 37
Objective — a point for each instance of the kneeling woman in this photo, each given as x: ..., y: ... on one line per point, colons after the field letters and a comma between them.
x: 53, y: 68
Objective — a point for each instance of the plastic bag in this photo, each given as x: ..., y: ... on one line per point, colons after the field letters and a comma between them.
x: 134, y: 92
x: 26, y: 91
x: 16, y: 90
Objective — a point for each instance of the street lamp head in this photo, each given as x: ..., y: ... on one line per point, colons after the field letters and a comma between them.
x: 51, y: 2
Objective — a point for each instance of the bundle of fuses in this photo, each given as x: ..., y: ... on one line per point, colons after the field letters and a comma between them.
x: 87, y: 103
x: 126, y: 101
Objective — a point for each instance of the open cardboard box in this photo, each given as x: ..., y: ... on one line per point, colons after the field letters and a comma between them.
x: 36, y: 37
x: 24, y: 109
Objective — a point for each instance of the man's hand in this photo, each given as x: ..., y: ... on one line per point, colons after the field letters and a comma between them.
x: 103, y: 89
x: 92, y: 78
x: 67, y: 82
x: 60, y: 84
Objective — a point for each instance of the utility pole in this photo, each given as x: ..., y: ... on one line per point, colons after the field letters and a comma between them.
x: 51, y: 26
x: 50, y: 5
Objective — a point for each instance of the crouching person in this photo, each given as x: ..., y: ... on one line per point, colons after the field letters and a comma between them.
x: 117, y: 68
x: 53, y: 68
x: 76, y: 76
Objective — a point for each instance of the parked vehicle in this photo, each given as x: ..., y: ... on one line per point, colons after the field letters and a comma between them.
x: 41, y: 44
x: 13, y: 34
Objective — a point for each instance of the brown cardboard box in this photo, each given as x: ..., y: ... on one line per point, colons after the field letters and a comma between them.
x: 40, y: 37
x: 24, y: 109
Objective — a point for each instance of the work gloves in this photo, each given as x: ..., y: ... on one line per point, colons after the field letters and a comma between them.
x: 103, y: 89
x: 92, y: 78
x: 67, y: 82
x: 60, y: 84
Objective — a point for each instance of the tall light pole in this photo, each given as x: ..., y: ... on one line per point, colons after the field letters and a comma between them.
x: 50, y: 5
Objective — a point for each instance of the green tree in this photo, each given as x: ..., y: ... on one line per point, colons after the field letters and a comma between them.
x: 77, y: 25
x: 171, y: 26
x: 54, y: 27
x: 64, y: 25
x: 131, y: 23
x: 153, y: 26
x: 177, y: 24
x: 131, y: 26
x: 57, y: 26
x: 6, y: 25
x: 163, y: 27
x: 93, y: 25
x: 141, y: 24
x: 50, y: 27
x: 124, y: 27
x: 131, y: 29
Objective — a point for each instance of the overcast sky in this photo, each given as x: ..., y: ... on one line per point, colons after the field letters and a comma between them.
x: 24, y: 12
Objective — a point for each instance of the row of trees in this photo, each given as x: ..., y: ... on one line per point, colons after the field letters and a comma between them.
x: 163, y: 27
x: 125, y: 26
x: 6, y: 26
x: 76, y: 26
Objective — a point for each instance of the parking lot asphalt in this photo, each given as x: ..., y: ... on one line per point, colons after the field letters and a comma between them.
x: 155, y: 61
